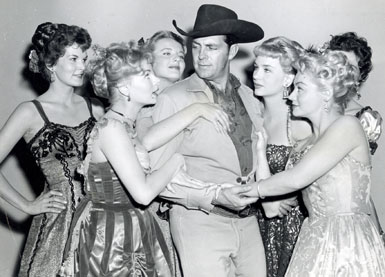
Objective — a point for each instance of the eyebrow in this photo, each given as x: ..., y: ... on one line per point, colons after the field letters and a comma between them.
x: 263, y: 65
x: 206, y: 44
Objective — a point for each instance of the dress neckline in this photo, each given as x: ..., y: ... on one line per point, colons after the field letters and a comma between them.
x: 62, y: 126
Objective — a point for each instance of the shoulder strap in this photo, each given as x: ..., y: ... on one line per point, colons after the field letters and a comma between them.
x: 89, y: 105
x: 40, y: 110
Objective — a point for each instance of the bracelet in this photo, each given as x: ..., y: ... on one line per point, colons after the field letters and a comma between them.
x: 259, y: 194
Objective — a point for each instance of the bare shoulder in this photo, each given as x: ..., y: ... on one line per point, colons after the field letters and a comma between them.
x: 347, y: 122
x: 300, y: 129
x: 26, y: 110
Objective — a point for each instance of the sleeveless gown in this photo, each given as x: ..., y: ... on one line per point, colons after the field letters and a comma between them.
x: 279, y: 235
x: 338, y: 238
x: 111, y: 234
x: 58, y: 150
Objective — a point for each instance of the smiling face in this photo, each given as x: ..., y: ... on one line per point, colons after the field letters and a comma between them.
x: 211, y: 57
x: 69, y: 68
x: 140, y: 87
x: 306, y: 97
x: 168, y: 60
x: 269, y: 77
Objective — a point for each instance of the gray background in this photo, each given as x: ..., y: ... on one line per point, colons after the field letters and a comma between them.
x: 307, y: 21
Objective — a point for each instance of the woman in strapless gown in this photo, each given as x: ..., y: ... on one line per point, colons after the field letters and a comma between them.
x: 273, y: 77
x: 359, y: 54
x: 113, y: 232
x: 338, y: 238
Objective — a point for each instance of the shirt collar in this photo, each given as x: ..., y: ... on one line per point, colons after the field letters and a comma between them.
x: 198, y: 84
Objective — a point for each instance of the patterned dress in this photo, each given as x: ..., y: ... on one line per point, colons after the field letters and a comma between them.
x: 58, y: 150
x: 111, y: 234
x: 338, y: 238
x: 279, y: 235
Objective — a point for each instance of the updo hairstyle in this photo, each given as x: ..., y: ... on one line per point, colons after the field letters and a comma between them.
x: 149, y: 45
x: 50, y: 41
x: 111, y: 65
x: 331, y: 71
x: 282, y: 48
x: 351, y: 42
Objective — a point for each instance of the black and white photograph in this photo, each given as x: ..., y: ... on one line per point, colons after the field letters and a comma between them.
x: 167, y: 138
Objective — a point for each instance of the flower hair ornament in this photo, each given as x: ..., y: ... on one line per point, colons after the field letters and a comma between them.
x: 33, y: 61
x: 99, y: 52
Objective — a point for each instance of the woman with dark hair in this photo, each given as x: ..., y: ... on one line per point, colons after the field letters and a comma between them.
x: 338, y: 238
x: 280, y: 218
x: 359, y: 54
x: 113, y: 233
x: 58, y: 126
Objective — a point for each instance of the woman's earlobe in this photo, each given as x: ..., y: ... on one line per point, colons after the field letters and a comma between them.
x: 327, y: 94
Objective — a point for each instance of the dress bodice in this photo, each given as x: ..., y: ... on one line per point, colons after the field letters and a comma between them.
x: 58, y: 150
x: 344, y: 189
x: 104, y: 185
x: 277, y: 157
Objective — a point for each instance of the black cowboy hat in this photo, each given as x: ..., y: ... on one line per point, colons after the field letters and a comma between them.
x: 215, y: 20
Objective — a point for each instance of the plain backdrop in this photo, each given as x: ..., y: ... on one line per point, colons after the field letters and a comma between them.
x: 306, y: 21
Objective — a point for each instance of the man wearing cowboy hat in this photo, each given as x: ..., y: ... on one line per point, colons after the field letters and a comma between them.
x: 211, y: 236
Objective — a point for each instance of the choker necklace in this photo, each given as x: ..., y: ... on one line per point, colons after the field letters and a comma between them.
x: 125, y: 117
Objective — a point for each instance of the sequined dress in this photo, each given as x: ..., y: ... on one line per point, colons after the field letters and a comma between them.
x: 58, y: 150
x: 279, y: 235
x: 111, y: 235
x: 338, y: 238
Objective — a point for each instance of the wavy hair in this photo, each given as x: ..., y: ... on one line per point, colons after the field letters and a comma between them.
x: 112, y: 64
x: 50, y: 41
x: 149, y: 45
x: 351, y: 42
x: 282, y: 48
x: 332, y: 71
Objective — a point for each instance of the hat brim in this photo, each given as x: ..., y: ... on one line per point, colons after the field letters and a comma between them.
x: 241, y: 31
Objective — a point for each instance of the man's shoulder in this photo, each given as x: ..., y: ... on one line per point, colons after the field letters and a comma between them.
x: 180, y: 87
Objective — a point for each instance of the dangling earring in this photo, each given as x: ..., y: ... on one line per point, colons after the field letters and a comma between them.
x: 326, y: 106
x: 128, y: 97
x: 52, y: 77
x: 285, y: 92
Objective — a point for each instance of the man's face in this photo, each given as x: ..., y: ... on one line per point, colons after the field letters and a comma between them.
x: 211, y: 57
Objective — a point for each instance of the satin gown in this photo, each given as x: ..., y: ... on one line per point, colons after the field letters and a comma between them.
x: 58, y: 150
x: 338, y: 238
x: 111, y: 235
x: 279, y: 235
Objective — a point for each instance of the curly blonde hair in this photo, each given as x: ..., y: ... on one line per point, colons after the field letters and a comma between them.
x: 332, y: 71
x: 112, y: 64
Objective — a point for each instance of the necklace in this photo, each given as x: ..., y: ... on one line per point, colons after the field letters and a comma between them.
x: 132, y: 122
x: 288, y: 129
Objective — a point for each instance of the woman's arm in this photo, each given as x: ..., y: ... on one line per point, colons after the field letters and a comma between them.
x: 162, y: 132
x: 13, y: 130
x: 330, y: 149
x: 271, y: 208
x: 116, y: 145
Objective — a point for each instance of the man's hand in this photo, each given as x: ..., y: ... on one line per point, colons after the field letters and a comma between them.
x: 232, y: 198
